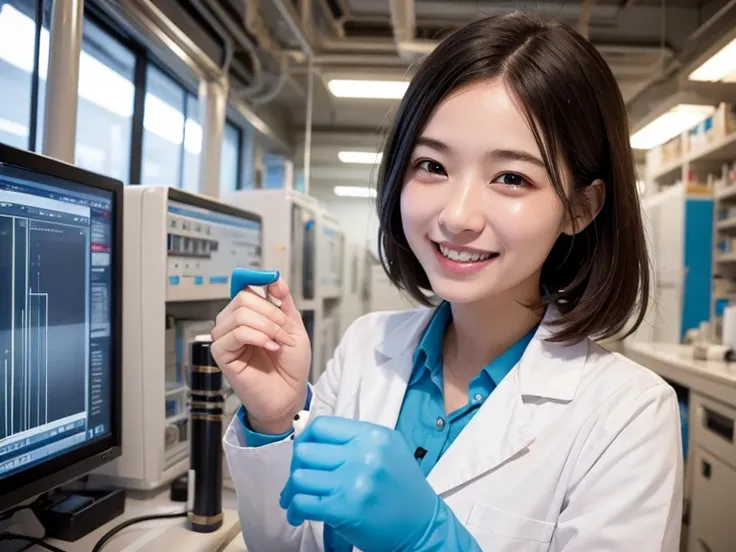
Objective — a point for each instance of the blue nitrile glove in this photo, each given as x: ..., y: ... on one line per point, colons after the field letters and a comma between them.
x: 362, y: 480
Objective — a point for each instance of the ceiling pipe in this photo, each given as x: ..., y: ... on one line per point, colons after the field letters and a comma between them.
x: 376, y: 60
x: 335, y: 24
x: 270, y: 95
x: 403, y: 23
x: 291, y: 20
x: 586, y: 8
x: 373, y: 46
x: 245, y: 43
x: 212, y: 21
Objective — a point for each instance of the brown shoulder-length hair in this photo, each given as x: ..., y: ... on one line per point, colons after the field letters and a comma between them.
x: 599, y: 278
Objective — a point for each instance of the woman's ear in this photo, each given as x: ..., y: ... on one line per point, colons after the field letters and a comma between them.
x: 586, y: 205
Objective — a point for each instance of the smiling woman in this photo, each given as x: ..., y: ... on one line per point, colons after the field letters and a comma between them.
x: 517, y: 136
x: 492, y: 208
x: 491, y: 421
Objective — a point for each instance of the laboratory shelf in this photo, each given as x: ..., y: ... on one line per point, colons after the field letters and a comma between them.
x: 726, y: 258
x: 727, y: 194
x: 727, y: 225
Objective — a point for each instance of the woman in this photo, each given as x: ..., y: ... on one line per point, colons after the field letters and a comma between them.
x: 491, y: 422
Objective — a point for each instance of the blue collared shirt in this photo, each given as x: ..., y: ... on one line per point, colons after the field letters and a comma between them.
x: 422, y: 420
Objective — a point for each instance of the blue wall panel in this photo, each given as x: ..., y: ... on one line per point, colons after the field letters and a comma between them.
x: 698, y: 262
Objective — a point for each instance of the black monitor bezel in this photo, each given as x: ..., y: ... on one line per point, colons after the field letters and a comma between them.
x: 75, y: 463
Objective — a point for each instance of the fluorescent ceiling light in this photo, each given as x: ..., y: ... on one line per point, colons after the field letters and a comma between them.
x: 361, y: 157
x: 720, y: 67
x: 677, y: 120
x: 354, y: 191
x: 368, y: 89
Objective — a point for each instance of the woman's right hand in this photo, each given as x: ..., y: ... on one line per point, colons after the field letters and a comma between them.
x: 265, y: 355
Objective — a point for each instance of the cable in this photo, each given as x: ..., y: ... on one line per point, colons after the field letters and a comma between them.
x: 33, y: 540
x: 7, y: 514
x: 115, y: 530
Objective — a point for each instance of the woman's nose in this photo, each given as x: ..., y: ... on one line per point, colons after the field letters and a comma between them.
x: 463, y: 211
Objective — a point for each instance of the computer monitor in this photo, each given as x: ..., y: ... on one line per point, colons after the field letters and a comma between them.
x: 60, y: 323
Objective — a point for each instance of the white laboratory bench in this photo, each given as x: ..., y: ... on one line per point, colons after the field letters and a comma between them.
x: 710, y: 479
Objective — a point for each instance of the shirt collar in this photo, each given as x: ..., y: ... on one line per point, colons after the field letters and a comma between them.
x: 429, y: 351
x: 428, y: 354
x: 499, y: 367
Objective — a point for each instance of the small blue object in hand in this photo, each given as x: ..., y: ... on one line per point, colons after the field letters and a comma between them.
x: 362, y: 480
x: 243, y: 277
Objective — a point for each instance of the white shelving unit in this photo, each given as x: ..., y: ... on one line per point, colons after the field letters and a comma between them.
x: 306, y: 245
x: 699, y: 160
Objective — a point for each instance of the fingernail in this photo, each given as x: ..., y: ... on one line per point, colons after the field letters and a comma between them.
x: 272, y: 346
x: 275, y: 300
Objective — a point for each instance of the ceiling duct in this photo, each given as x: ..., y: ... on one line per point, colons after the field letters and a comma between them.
x: 403, y: 20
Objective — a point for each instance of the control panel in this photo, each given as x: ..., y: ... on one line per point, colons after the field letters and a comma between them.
x: 203, y: 247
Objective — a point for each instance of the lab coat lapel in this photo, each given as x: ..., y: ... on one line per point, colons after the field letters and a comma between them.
x: 499, y: 430
x: 382, y: 390
x: 504, y: 424
x: 384, y: 380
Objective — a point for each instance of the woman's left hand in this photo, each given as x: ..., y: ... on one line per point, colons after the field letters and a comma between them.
x: 363, y: 481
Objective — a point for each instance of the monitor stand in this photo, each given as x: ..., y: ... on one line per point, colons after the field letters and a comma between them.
x: 70, y: 515
x: 66, y: 515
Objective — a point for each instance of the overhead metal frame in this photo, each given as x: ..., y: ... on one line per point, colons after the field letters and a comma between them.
x: 666, y: 86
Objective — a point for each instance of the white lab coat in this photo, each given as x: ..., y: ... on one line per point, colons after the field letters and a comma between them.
x: 577, y: 450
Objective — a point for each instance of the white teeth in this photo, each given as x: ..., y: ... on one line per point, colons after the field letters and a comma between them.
x: 463, y: 256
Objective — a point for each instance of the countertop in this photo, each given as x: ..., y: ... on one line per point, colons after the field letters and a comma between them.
x: 676, y: 363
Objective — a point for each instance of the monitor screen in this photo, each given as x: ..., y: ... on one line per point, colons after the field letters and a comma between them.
x: 57, y: 356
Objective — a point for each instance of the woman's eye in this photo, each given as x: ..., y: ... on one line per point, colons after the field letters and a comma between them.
x: 513, y: 180
x: 432, y: 167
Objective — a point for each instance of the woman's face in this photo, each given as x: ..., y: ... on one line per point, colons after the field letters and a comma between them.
x: 478, y: 208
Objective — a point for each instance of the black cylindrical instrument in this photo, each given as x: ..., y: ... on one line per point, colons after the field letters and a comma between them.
x: 205, y: 419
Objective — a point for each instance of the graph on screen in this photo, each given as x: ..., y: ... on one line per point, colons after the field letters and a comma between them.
x: 42, y: 323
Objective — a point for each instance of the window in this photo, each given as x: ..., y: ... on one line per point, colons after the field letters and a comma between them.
x: 250, y: 176
x: 105, y: 108
x: 299, y: 181
x: 192, y: 145
x: 275, y: 171
x: 18, y: 27
x: 105, y: 105
x: 230, y: 160
x: 163, y: 130
x: 172, y: 136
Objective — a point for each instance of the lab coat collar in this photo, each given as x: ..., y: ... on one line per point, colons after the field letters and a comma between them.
x: 551, y: 370
x: 382, y: 389
x: 546, y: 370
x: 406, y: 334
x: 502, y: 427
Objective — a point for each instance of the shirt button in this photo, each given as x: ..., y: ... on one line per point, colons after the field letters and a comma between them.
x: 440, y: 423
x: 478, y: 397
